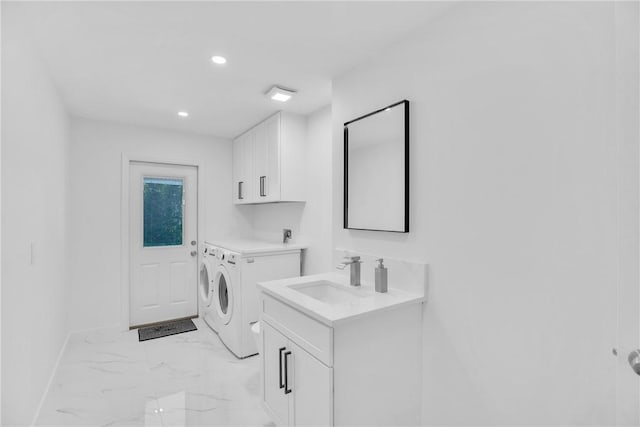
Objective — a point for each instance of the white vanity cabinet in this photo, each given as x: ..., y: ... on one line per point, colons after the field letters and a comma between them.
x: 298, y: 387
x: 362, y: 371
x: 269, y: 161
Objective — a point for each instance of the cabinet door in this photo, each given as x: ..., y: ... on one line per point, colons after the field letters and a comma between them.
x: 237, y: 170
x: 247, y: 166
x: 242, y: 169
x: 260, y: 172
x: 274, y: 345
x: 267, y: 160
x: 312, y: 389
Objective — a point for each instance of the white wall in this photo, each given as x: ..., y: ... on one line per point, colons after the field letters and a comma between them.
x: 96, y: 157
x: 315, y: 226
x: 310, y: 222
x: 0, y: 229
x: 35, y: 149
x: 513, y: 205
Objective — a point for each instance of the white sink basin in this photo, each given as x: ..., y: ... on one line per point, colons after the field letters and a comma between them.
x: 330, y: 293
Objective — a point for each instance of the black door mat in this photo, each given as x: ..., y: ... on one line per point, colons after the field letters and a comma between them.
x: 166, y: 329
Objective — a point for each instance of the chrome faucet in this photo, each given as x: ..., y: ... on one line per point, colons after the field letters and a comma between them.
x: 354, y: 269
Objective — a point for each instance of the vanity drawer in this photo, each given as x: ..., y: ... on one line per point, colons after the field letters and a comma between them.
x: 308, y: 333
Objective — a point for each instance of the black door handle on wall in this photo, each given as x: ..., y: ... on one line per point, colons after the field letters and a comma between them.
x: 287, y: 390
x: 280, y: 366
x: 262, y: 185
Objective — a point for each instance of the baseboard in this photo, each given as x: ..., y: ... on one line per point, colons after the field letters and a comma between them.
x: 55, y: 366
x: 97, y: 328
x: 53, y: 374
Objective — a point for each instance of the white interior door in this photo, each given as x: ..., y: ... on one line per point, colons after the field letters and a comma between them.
x: 163, y: 218
x: 627, y: 53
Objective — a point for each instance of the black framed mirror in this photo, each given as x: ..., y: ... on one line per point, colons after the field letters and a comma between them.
x: 376, y: 170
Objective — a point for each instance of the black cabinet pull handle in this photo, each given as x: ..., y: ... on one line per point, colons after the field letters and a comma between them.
x: 240, y: 196
x: 280, y: 366
x: 262, y: 186
x: 287, y: 390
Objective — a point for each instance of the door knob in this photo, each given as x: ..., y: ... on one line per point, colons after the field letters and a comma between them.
x: 194, y: 253
x: 634, y: 361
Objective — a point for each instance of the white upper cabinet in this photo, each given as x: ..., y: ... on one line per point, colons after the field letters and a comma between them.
x: 266, y: 160
x: 269, y: 161
x: 242, y: 168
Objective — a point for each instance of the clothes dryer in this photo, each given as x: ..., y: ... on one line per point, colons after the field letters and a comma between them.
x: 240, y: 265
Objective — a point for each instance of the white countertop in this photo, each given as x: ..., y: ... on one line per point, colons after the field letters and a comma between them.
x: 249, y: 247
x: 332, y: 313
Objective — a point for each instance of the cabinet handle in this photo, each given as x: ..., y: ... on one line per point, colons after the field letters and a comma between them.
x: 262, y: 185
x: 287, y: 390
x: 240, y: 196
x: 280, y: 366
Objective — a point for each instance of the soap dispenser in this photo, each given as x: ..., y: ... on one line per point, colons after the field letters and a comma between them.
x: 381, y: 277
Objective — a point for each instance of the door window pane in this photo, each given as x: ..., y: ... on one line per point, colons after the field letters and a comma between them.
x: 163, y: 211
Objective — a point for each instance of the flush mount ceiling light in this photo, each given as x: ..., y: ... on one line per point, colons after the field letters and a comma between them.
x: 279, y: 94
x: 183, y: 114
x: 219, y: 59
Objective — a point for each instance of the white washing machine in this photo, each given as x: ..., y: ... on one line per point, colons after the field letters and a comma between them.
x: 240, y: 265
x: 206, y: 293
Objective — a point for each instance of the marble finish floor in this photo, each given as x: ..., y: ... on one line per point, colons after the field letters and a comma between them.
x: 108, y: 378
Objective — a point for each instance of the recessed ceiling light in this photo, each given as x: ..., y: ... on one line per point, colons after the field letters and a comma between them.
x: 219, y: 60
x: 279, y: 94
x: 183, y: 114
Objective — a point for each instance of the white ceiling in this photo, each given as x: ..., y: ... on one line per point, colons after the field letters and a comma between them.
x: 142, y: 62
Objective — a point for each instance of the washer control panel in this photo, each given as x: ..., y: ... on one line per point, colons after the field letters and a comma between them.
x: 210, y: 251
x: 222, y: 254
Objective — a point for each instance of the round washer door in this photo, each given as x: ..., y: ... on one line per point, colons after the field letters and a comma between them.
x: 223, y: 288
x: 205, y: 285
